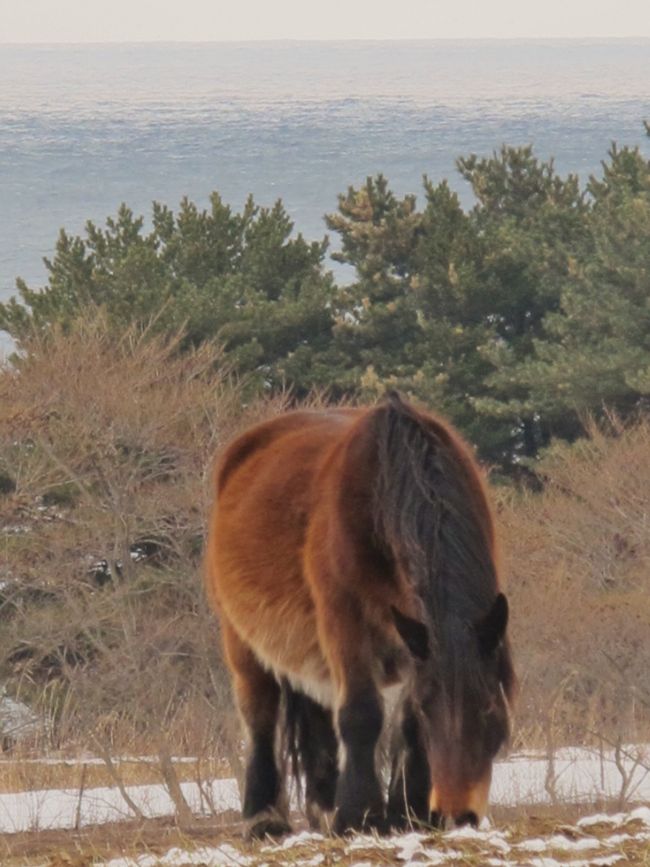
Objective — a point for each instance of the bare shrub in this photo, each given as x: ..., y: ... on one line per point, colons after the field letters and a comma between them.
x: 109, y: 443
x: 578, y: 561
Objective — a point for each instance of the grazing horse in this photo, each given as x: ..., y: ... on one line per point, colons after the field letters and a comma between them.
x: 351, y: 550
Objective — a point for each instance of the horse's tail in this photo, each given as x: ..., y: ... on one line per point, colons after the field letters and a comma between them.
x: 431, y: 512
x: 291, y: 734
x: 309, y: 750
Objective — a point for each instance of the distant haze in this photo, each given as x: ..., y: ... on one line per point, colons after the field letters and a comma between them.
x: 208, y: 20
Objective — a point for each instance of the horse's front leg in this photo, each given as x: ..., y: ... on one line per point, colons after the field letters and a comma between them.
x: 359, y: 798
x: 347, y: 644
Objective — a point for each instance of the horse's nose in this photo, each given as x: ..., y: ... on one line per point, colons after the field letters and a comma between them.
x: 462, y: 805
x: 469, y: 817
x: 447, y: 823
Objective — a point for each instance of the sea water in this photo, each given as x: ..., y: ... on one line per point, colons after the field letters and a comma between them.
x: 84, y: 128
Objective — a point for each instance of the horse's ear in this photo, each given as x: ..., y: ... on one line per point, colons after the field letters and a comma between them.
x: 492, y: 628
x: 413, y: 633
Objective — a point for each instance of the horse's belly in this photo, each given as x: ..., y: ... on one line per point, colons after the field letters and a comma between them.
x: 288, y: 646
x: 312, y: 684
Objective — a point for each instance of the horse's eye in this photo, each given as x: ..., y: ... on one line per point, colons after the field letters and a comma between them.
x: 489, y: 710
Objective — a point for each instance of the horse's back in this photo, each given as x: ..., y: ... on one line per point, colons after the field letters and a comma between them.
x: 309, y: 431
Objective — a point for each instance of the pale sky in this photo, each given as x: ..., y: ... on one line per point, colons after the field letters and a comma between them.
x: 212, y: 20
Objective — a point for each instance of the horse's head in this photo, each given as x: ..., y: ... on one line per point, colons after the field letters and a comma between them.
x: 460, y: 696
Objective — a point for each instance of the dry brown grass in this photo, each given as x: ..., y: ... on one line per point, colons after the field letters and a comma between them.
x: 22, y: 774
x: 87, y: 845
x: 155, y: 837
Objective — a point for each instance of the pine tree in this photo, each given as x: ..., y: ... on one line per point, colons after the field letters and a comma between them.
x: 594, y: 355
x: 243, y: 278
x: 531, y: 223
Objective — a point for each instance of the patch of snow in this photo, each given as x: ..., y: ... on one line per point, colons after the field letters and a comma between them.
x: 78, y: 761
x: 535, y: 844
x: 642, y: 814
x: 407, y: 846
x: 17, y: 720
x: 605, y: 860
x: 557, y: 841
x: 548, y: 862
x: 579, y: 775
x: 432, y: 857
x: 560, y: 843
x: 448, y: 855
x: 599, y: 861
x: 301, y: 839
x: 639, y: 814
x: 617, y: 839
x: 600, y: 819
x: 217, y: 856
x: 495, y: 839
x: 364, y: 841
x: 57, y: 808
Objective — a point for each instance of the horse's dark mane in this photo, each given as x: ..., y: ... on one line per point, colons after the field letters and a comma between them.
x: 430, y: 511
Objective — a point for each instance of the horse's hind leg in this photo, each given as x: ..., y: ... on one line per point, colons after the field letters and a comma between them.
x: 318, y: 748
x: 408, y: 793
x: 258, y: 698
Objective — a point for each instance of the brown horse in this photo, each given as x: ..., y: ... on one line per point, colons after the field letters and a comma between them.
x: 350, y: 551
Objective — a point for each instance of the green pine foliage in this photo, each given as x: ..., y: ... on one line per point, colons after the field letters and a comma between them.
x: 595, y: 349
x: 241, y: 278
x: 516, y: 319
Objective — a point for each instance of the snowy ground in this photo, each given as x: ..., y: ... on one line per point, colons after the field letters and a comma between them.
x: 595, y: 841
x: 576, y: 776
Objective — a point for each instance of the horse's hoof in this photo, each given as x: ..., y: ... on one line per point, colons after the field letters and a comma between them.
x: 319, y: 818
x: 368, y: 823
x: 398, y: 823
x: 267, y: 826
